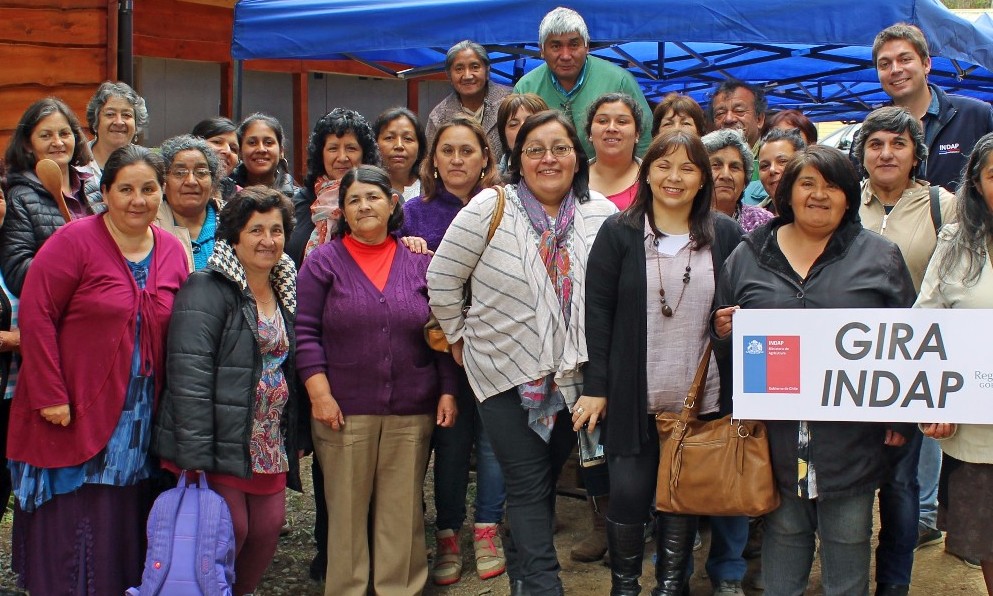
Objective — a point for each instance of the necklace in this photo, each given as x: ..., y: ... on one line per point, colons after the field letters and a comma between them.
x: 668, y: 311
x: 272, y: 296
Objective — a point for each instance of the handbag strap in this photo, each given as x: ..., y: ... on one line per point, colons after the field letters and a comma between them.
x: 691, y: 405
x: 497, y: 212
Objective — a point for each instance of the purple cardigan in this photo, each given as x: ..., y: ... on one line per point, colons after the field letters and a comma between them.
x: 369, y: 343
x: 430, y: 219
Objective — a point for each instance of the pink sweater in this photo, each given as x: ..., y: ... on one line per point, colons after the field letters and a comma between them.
x: 78, y: 313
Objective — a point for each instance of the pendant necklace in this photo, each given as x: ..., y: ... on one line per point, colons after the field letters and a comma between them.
x: 667, y: 311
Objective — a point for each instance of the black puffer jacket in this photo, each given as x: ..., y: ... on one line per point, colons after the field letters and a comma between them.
x: 213, y: 366
x: 32, y: 217
x: 858, y: 269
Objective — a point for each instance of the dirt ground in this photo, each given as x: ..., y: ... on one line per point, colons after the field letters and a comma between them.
x: 935, y: 573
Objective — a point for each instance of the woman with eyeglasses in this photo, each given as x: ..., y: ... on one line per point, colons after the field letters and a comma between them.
x: 191, y: 208
x: 521, y: 340
x: 649, y: 293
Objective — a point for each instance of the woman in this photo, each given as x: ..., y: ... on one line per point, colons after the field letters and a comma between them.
x: 116, y: 115
x: 513, y: 111
x: 10, y: 348
x: 342, y: 140
x: 190, y: 210
x: 402, y: 145
x: 791, y: 120
x: 681, y: 112
x: 460, y: 166
x: 94, y: 311
x: 668, y: 243
x: 613, y: 125
x: 229, y: 407
x: 816, y: 254
x: 376, y: 390
x: 909, y: 212
x: 776, y: 149
x: 222, y: 136
x: 525, y: 321
x: 47, y: 130
x: 731, y: 163
x: 960, y: 275
x: 260, y: 143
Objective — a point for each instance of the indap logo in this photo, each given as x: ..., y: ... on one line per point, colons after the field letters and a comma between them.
x: 948, y: 149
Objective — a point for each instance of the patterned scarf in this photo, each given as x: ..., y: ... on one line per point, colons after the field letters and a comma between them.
x: 324, y: 212
x: 541, y: 397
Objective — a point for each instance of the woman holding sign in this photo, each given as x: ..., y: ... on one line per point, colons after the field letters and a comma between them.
x: 650, y: 287
x: 961, y: 276
x: 816, y: 254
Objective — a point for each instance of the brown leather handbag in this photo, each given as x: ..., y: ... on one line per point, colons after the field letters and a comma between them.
x: 433, y: 334
x: 716, y: 467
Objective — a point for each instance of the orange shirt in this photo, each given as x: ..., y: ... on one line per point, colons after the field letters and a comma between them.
x: 375, y: 260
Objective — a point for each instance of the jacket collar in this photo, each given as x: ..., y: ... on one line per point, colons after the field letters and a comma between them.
x: 763, y: 243
x: 283, y: 276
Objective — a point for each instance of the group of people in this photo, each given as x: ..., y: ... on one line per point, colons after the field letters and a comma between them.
x: 194, y: 309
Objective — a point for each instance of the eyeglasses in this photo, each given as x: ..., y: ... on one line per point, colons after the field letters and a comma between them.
x: 537, y: 152
x: 182, y: 173
x: 738, y: 111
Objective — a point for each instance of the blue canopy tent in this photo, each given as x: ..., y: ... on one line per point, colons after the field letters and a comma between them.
x: 814, y: 56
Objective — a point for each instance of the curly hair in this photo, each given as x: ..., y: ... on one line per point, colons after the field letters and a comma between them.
x: 172, y: 147
x: 339, y: 122
x: 105, y: 92
x: 247, y: 202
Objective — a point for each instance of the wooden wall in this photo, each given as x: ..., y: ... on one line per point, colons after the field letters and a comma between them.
x: 64, y: 48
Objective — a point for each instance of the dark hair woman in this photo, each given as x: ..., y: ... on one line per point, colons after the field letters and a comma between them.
x: 260, y: 142
x: 341, y: 141
x: 816, y: 254
x: 526, y: 321
x: 376, y: 389
x: 460, y: 165
x: 668, y: 243
x: 681, y: 112
x: 47, y: 130
x: 402, y: 145
x: 222, y: 136
x: 229, y: 407
x: 613, y: 124
x: 961, y: 276
x: 94, y: 311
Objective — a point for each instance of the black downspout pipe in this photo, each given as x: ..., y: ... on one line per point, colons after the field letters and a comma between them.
x: 125, y: 42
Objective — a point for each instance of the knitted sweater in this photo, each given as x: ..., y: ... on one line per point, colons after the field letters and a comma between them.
x: 514, y: 331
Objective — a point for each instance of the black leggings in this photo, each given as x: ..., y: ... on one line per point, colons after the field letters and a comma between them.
x: 632, y: 482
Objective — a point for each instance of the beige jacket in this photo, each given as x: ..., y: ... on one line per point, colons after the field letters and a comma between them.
x: 970, y: 442
x: 165, y: 220
x: 909, y: 224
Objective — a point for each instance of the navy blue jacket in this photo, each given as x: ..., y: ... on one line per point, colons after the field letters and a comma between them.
x: 961, y: 122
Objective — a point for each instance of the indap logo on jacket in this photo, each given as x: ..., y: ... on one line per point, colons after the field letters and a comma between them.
x: 883, y: 365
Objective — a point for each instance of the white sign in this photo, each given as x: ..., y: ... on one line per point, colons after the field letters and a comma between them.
x: 881, y: 365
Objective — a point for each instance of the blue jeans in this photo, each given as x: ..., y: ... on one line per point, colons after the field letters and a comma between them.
x: 928, y: 472
x: 452, y: 450
x: 899, y: 512
x: 530, y: 470
x: 728, y: 536
x: 844, y: 526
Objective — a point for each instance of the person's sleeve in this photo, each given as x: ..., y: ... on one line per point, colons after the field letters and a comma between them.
x: 603, y: 270
x: 313, y: 285
x: 17, y: 243
x: 454, y: 261
x: 724, y: 296
x: 198, y: 321
x: 48, y: 291
x: 932, y: 289
x: 901, y: 286
x: 448, y: 380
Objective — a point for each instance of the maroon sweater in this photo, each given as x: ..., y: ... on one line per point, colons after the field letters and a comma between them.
x: 77, y: 317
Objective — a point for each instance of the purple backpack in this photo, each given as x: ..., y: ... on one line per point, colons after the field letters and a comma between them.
x: 190, y: 543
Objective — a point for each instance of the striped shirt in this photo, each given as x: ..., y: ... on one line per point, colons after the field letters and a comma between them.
x: 514, y: 331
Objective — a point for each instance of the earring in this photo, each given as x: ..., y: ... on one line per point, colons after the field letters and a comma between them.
x: 436, y: 173
x: 482, y: 173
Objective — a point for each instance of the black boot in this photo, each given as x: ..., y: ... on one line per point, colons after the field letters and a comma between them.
x: 674, y: 537
x: 892, y: 590
x: 517, y: 588
x: 626, y: 543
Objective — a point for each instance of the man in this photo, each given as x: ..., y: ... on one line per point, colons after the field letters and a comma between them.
x: 952, y: 124
x: 467, y: 65
x: 571, y: 79
x: 740, y: 106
